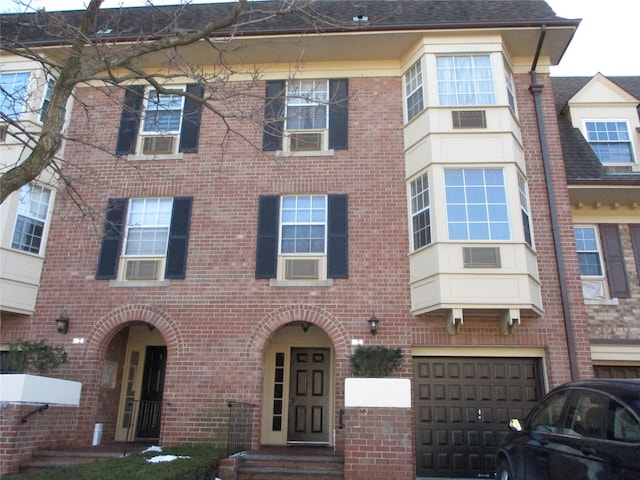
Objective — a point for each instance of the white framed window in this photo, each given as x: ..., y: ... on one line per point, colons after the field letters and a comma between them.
x: 161, y: 122
x: 524, y: 209
x: 465, y: 80
x: 508, y: 78
x: 307, y: 115
x: 303, y: 223
x: 13, y: 94
x: 46, y: 97
x: 420, y: 212
x: 477, y: 207
x: 589, y: 253
x: 413, y: 90
x: 147, y: 229
x: 33, y: 208
x: 610, y: 140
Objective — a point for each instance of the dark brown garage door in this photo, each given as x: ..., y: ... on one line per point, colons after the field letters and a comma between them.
x: 463, y: 406
x: 611, y: 371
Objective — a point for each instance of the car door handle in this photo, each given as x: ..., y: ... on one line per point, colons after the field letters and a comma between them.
x: 588, y: 451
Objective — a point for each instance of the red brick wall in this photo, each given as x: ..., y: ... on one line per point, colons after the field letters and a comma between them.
x: 379, y: 444
x: 217, y: 321
x: 51, y: 428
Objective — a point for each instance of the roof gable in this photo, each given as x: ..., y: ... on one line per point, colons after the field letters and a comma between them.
x: 601, y: 90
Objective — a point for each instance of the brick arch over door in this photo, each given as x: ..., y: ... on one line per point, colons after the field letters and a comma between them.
x: 106, y: 328
x: 297, y: 313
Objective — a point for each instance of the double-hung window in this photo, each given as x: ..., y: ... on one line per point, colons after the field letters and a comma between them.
x: 31, y: 219
x: 588, y: 251
x: 148, y: 227
x: 465, y: 80
x: 477, y: 206
x: 413, y: 90
x: 508, y: 78
x: 420, y: 212
x: 161, y: 121
x: 303, y: 224
x: 302, y: 237
x: 156, y: 124
x: 602, y: 261
x: 13, y: 94
x: 307, y: 115
x: 524, y: 209
x: 46, y: 97
x: 610, y: 140
x: 145, y: 239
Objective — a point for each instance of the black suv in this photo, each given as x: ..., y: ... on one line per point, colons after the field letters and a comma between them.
x: 583, y: 430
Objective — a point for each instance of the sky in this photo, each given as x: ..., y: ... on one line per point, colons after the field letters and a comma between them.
x: 606, y: 40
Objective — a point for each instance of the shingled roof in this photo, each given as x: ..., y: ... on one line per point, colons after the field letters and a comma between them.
x: 319, y: 15
x: 580, y: 162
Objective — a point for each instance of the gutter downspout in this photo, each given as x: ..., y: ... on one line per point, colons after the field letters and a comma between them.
x: 536, y: 91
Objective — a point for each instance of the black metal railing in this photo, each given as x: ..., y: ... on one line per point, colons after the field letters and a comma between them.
x: 144, y: 420
x: 33, y: 412
x: 240, y: 427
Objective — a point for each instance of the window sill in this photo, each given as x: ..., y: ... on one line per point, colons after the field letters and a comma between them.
x: 318, y: 153
x: 301, y: 283
x: 601, y: 301
x: 174, y: 156
x: 139, y: 283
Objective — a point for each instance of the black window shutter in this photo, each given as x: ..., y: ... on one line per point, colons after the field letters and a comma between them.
x: 634, y: 230
x: 339, y: 114
x: 176, y: 266
x: 111, y: 239
x: 614, y: 260
x: 338, y: 237
x: 130, y: 120
x: 273, y: 115
x: 191, y: 115
x: 267, y: 244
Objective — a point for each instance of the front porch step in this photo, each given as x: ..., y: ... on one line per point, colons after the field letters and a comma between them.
x: 65, y: 458
x: 294, y: 464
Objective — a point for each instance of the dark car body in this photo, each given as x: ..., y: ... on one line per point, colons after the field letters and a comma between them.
x: 585, y: 430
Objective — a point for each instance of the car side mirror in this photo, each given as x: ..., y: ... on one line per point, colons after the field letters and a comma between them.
x: 515, y: 425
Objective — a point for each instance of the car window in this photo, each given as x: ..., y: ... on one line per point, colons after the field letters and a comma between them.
x: 546, y: 418
x: 625, y: 427
x: 587, y: 417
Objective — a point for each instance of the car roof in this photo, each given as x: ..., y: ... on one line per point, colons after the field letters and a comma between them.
x: 627, y: 390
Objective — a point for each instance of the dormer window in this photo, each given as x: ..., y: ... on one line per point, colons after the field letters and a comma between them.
x: 610, y: 140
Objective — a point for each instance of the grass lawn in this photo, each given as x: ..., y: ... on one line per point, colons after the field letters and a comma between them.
x: 201, y: 465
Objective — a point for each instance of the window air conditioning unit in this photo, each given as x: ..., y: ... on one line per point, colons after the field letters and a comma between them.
x: 141, y: 269
x: 301, y: 269
x: 481, y: 257
x: 469, y: 119
x: 158, y: 145
x: 306, y: 141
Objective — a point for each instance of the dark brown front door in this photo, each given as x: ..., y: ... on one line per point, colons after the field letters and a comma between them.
x: 309, y: 395
x: 150, y: 410
x: 462, y: 408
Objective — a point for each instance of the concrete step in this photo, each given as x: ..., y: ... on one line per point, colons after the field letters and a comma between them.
x: 288, y: 466
x: 65, y: 458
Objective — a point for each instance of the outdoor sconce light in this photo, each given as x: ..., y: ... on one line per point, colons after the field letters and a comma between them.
x: 373, y: 324
x: 62, y: 323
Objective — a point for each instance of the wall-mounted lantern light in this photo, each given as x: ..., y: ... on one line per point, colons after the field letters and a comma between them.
x: 373, y: 324
x: 62, y: 323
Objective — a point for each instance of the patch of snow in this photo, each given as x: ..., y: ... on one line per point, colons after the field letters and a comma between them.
x: 152, y: 448
x: 165, y: 458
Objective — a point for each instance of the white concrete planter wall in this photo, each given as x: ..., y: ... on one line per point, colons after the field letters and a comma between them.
x: 377, y: 392
x: 22, y: 388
